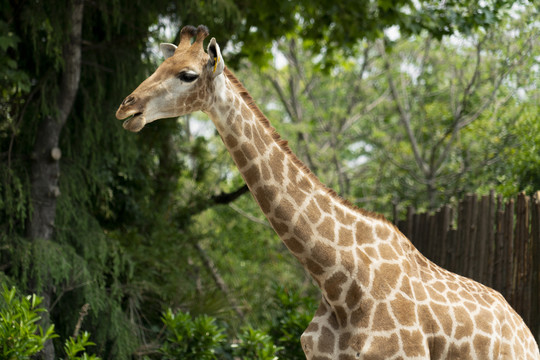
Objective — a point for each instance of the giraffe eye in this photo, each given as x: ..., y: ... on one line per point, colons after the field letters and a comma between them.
x: 187, y: 76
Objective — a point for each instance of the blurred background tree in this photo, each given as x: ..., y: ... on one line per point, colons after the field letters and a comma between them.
x: 407, y: 102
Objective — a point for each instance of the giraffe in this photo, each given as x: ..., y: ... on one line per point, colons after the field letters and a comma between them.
x: 381, y: 298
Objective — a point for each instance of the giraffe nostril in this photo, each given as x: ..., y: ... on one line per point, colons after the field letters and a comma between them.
x: 128, y: 101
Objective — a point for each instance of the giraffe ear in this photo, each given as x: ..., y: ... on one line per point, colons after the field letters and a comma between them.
x: 167, y: 49
x: 216, y: 60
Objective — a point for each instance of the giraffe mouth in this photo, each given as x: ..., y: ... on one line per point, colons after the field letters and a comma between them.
x: 134, y: 122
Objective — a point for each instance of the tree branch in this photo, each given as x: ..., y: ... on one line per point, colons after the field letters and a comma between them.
x: 463, y: 120
x: 219, y: 199
x: 212, y: 269
x: 226, y: 198
x: 404, y: 115
x: 249, y: 216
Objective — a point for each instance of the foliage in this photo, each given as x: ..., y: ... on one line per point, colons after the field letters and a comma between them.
x: 255, y: 345
x: 520, y: 172
x: 188, y: 337
x: 191, y: 338
x: 292, y: 314
x: 21, y: 336
x: 330, y: 26
x: 412, y: 120
x: 73, y: 347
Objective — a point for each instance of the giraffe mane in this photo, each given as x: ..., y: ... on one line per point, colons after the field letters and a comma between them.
x: 285, y: 147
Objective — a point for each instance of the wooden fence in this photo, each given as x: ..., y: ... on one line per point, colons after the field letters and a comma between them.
x: 491, y: 241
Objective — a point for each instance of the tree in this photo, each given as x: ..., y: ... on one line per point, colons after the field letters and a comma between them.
x: 417, y: 120
x: 450, y: 108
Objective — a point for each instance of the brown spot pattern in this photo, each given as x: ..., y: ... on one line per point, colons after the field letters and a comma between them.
x: 281, y: 227
x: 302, y: 229
x: 259, y: 143
x: 267, y: 174
x: 326, y: 341
x: 230, y: 141
x: 481, y: 344
x: 382, y: 231
x: 437, y: 348
x: 333, y: 321
x: 347, y: 261
x: 252, y: 175
x: 353, y: 295
x: 345, y: 237
x: 344, y: 340
x: 382, y: 320
x: 276, y: 163
x: 294, y: 245
x: 313, y: 212
x: 413, y: 343
x: 312, y: 327
x: 333, y: 285
x: 326, y: 228
x: 429, y: 325
x: 404, y: 310
x: 323, y: 254
x: 323, y: 203
x: 459, y: 352
x: 241, y: 160
x: 298, y: 196
x: 383, y: 347
x: 341, y: 315
x: 464, y: 323
x: 247, y: 131
x: 441, y: 312
x: 419, y: 291
x: 386, y: 277
x: 387, y: 252
x: 314, y: 268
x: 284, y: 210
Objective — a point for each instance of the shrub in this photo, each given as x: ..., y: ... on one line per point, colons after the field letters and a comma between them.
x: 20, y: 335
x: 255, y: 345
x: 191, y: 339
x: 292, y: 314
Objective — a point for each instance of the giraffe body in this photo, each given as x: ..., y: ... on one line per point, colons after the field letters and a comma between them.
x: 381, y: 299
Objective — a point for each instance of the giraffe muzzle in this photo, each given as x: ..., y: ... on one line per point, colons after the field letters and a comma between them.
x: 134, y: 119
x: 134, y: 123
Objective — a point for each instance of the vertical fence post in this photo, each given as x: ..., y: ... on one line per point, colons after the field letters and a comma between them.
x: 492, y: 244
x: 521, y: 257
x: 509, y: 249
x: 471, y: 230
x: 499, y: 264
x: 481, y: 241
x: 535, y: 262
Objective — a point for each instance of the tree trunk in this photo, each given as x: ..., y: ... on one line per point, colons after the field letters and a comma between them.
x: 45, y: 168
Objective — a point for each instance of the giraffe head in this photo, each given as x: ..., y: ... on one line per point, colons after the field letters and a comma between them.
x: 181, y: 84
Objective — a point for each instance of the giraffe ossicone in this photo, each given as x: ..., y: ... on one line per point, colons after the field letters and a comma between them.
x: 381, y: 299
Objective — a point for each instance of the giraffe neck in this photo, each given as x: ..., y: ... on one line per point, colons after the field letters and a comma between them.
x: 319, y: 227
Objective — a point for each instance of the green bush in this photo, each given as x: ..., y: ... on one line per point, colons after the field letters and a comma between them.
x: 20, y: 335
x: 201, y: 338
x: 191, y: 339
x: 292, y: 314
x: 73, y: 347
x: 255, y: 345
